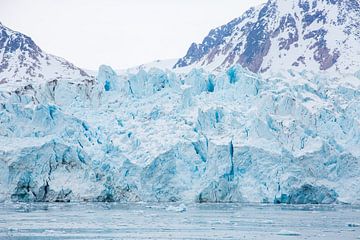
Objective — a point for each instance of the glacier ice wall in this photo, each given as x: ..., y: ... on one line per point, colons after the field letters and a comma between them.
x: 160, y: 136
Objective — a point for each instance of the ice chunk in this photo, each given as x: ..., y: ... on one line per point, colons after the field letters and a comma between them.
x: 223, y: 190
x: 353, y: 224
x: 308, y: 194
x: 209, y: 119
x: 247, y: 82
x: 198, y: 80
x: 179, y: 208
x: 108, y: 78
x: 25, y: 188
x: 357, y: 74
x: 285, y: 232
x: 144, y: 83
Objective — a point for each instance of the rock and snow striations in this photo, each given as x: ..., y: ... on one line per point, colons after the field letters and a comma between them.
x: 315, y: 35
x: 155, y: 135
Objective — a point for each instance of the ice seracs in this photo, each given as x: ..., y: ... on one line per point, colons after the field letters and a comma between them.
x: 160, y: 136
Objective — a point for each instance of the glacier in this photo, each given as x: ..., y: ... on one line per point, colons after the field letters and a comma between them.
x: 159, y: 136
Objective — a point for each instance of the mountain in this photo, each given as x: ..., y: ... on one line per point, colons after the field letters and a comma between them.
x: 315, y: 35
x: 22, y: 61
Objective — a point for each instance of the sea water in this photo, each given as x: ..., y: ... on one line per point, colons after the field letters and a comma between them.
x: 178, y: 221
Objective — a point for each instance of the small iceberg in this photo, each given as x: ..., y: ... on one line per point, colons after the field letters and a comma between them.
x: 288, y: 233
x: 180, y: 208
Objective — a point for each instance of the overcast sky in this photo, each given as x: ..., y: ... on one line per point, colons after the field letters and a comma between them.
x: 120, y: 33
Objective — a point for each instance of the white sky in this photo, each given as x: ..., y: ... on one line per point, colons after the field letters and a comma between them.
x: 119, y: 33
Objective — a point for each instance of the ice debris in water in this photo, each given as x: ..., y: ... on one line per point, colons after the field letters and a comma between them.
x: 179, y: 208
x: 155, y: 135
x: 353, y: 225
x: 288, y: 233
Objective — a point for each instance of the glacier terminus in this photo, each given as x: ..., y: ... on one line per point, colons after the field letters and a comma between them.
x: 265, y: 110
x: 199, y: 137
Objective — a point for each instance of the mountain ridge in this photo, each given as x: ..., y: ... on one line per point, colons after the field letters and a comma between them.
x: 21, y: 60
x: 291, y: 34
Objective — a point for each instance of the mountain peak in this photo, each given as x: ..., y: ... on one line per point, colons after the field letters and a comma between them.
x: 315, y: 35
x: 21, y: 60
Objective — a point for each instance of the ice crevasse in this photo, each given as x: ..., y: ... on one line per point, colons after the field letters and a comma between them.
x: 156, y: 135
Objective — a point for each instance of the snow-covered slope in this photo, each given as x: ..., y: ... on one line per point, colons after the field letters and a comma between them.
x: 22, y: 62
x: 166, y: 64
x: 315, y: 35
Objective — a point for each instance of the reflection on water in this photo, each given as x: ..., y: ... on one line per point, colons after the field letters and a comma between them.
x: 199, y: 221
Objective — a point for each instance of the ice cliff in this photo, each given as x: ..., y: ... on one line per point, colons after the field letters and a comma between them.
x: 265, y: 109
x: 159, y: 136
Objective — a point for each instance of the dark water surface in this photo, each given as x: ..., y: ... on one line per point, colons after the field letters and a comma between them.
x: 158, y: 221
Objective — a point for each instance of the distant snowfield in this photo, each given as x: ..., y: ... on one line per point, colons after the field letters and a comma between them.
x: 164, y: 64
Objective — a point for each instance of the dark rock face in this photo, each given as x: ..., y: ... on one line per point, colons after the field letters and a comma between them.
x: 258, y: 41
x: 215, y: 38
x: 287, y: 22
x: 277, y: 27
x: 325, y: 58
x: 323, y: 55
x: 310, y: 18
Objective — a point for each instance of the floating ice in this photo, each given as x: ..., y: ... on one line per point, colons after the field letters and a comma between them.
x: 179, y: 208
x: 353, y: 224
x: 288, y: 233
